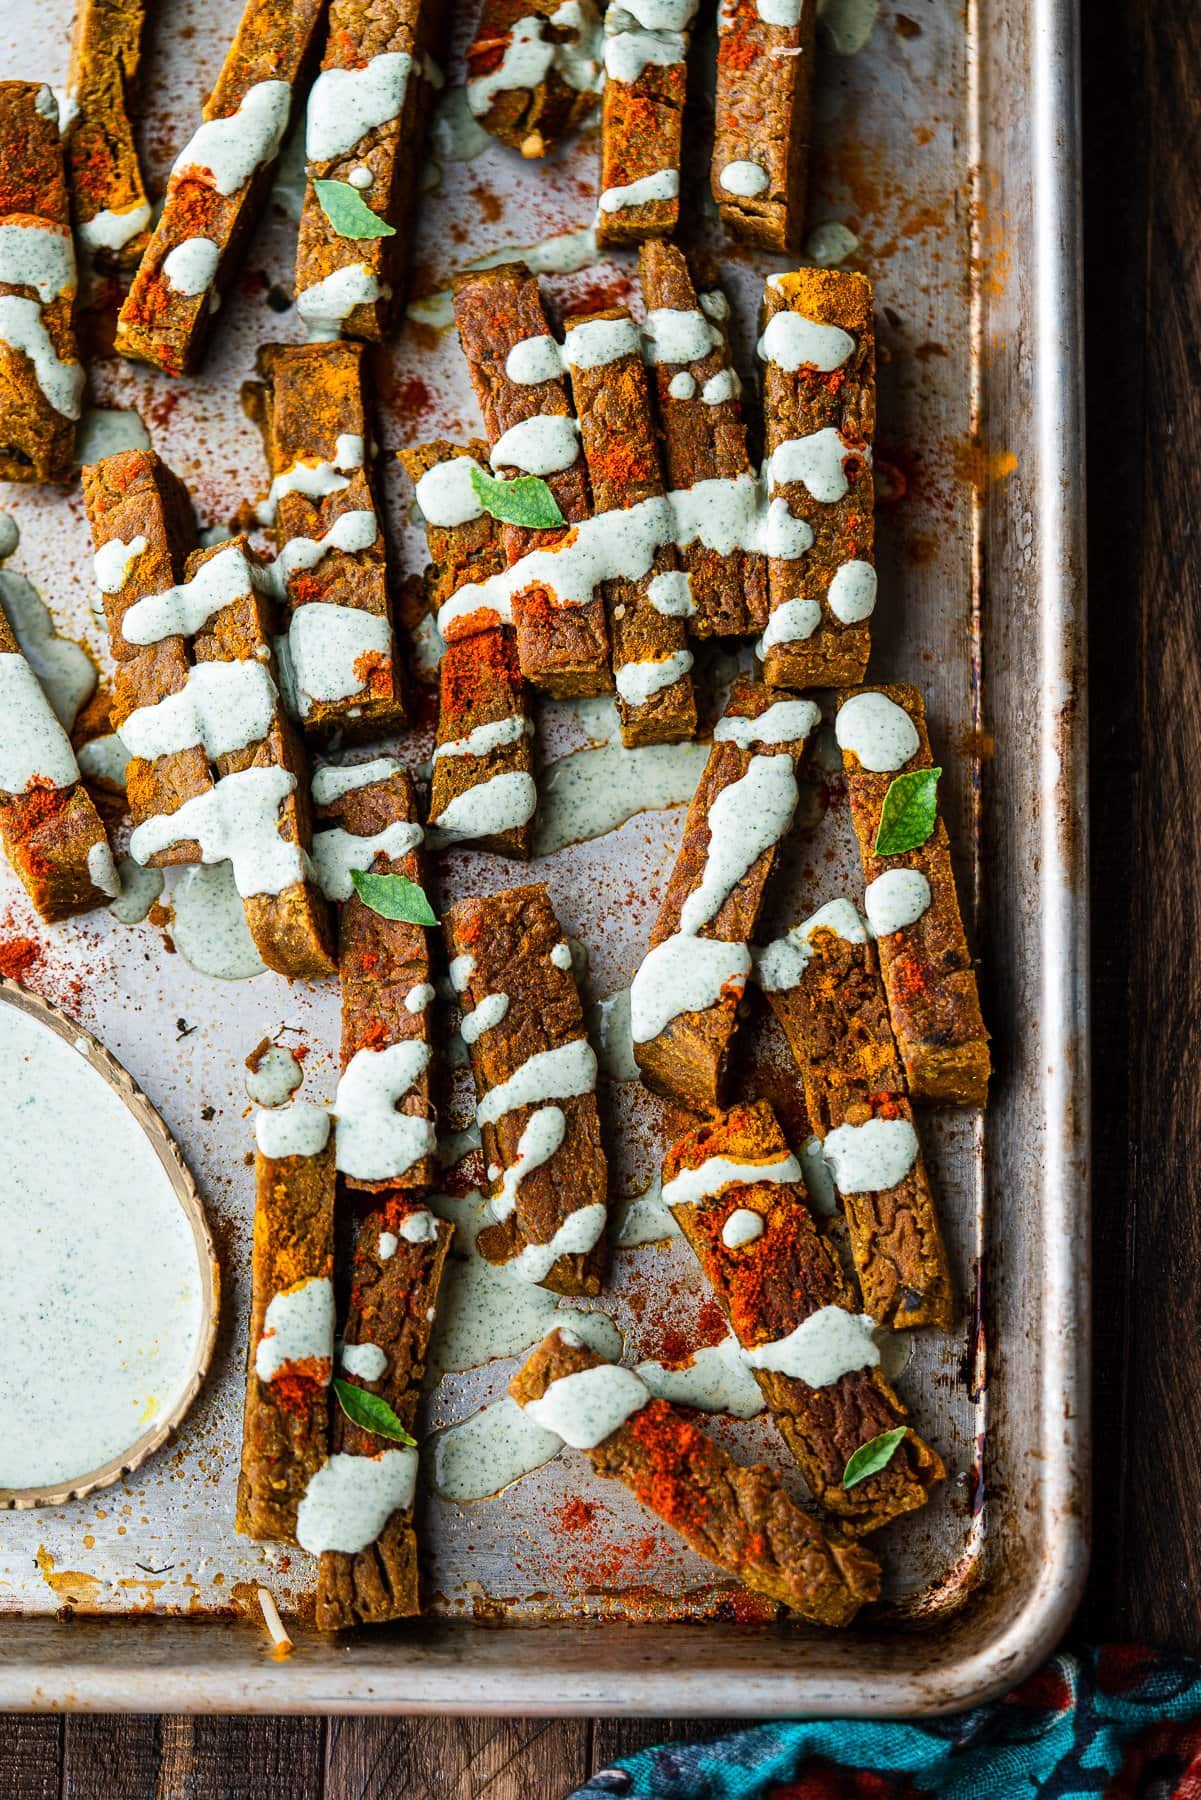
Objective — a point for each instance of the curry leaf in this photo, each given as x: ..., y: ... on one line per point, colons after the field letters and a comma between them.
x: 349, y: 213
x: 370, y: 1412
x: 394, y: 897
x: 526, y: 500
x: 873, y: 1456
x: 909, y: 812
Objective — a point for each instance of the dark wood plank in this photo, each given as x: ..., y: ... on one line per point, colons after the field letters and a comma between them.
x: 254, y: 1759
x: 178, y: 1758
x: 455, y: 1759
x: 30, y: 1757
x: 1117, y: 128
x: 106, y: 1755
x: 1143, y: 486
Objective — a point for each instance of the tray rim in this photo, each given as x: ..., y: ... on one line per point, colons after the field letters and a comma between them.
x: 387, y: 1676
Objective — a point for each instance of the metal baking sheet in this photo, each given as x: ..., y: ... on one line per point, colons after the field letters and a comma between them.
x: 947, y: 147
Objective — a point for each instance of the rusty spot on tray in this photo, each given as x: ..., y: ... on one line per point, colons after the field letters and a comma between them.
x: 978, y: 466
x: 490, y: 205
x: 978, y: 744
x: 990, y: 264
x: 75, y: 1587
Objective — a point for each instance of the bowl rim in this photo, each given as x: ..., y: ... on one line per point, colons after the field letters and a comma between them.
x: 187, y: 1196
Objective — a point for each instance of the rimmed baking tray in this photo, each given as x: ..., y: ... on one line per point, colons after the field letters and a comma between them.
x: 948, y: 147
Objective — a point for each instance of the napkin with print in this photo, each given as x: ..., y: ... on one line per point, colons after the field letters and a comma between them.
x: 1121, y: 1722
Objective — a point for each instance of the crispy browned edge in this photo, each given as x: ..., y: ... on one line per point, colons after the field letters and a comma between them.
x: 276, y: 40
x: 381, y: 961
x: 531, y: 120
x: 135, y: 494
x: 739, y: 1518
x: 307, y: 396
x: 392, y: 1302
x: 762, y: 113
x: 564, y: 650
x: 292, y: 930
x: 459, y: 554
x: 613, y: 404
x: 510, y: 936
x: 480, y: 680
x: 360, y: 30
x: 689, y: 1060
x: 641, y: 130
x: 767, y: 1288
x: 93, y: 721
x: 929, y: 974
x: 132, y: 495
x: 48, y: 835
x: 102, y: 156
x: 796, y: 405
x: 703, y: 443
x: 282, y: 1448
x: 36, y: 441
x: 836, y: 1021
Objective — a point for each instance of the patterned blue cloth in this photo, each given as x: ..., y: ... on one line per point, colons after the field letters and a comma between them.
x: 1121, y: 1722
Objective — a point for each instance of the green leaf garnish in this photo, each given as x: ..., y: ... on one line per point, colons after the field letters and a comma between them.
x: 393, y: 897
x: 526, y: 500
x: 873, y: 1456
x: 370, y: 1412
x: 909, y: 811
x: 348, y: 212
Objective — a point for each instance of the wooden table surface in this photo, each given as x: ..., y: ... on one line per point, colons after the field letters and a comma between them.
x: 1142, y: 149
